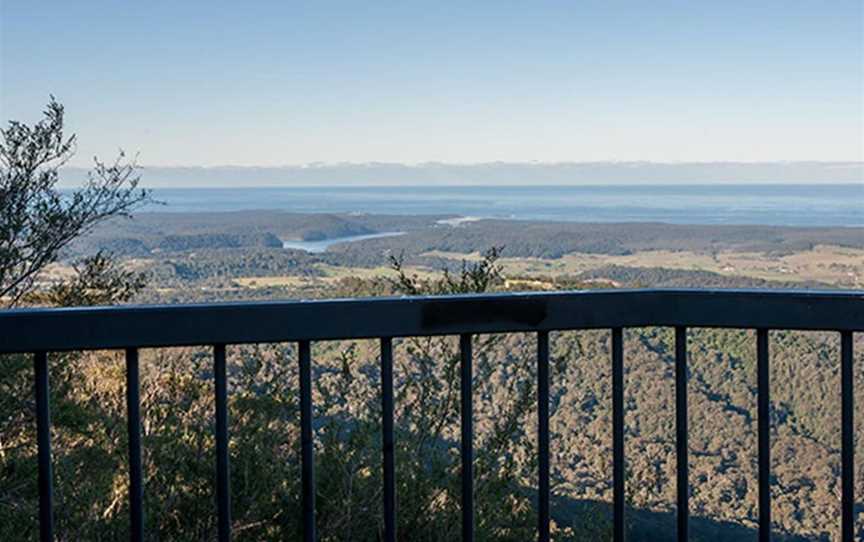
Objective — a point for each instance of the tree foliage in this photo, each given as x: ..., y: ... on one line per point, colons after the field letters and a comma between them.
x: 37, y: 219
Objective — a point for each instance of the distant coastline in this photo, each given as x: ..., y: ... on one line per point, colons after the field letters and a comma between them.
x: 820, y: 205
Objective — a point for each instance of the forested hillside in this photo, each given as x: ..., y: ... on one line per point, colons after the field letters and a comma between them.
x: 89, y: 437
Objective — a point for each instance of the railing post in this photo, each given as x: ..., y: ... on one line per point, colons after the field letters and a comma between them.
x: 543, y: 515
x: 681, y: 451
x: 43, y: 438
x: 133, y: 420
x: 223, y: 470
x: 847, y: 378
x: 388, y: 441
x: 764, y: 428
x: 306, y: 441
x: 618, y: 531
x: 467, y: 439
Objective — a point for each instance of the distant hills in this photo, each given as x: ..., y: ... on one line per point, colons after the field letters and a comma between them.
x: 496, y: 173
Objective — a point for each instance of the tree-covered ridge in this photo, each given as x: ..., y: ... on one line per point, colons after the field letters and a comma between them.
x: 432, y: 233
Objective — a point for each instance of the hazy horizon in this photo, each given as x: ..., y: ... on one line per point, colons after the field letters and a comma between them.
x: 493, y: 174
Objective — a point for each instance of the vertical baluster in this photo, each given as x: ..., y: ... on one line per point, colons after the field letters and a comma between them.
x: 43, y: 438
x: 388, y: 440
x: 681, y: 432
x: 848, y: 438
x: 306, y: 441
x: 223, y: 471
x: 133, y: 420
x: 763, y: 407
x: 618, y: 433
x: 543, y: 435
x: 467, y: 440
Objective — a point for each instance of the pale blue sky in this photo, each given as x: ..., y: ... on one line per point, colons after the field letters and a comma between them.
x: 270, y: 83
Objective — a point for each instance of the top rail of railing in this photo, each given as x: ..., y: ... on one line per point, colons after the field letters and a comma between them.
x: 43, y: 329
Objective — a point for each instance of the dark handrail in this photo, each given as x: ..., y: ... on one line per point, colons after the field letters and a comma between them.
x: 40, y: 331
x: 29, y: 330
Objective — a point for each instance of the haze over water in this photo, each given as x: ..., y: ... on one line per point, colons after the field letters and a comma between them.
x: 782, y: 205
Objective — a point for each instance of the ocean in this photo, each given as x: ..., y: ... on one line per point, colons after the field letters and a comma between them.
x: 762, y: 204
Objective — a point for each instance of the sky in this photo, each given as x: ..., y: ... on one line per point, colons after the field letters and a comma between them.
x: 277, y: 83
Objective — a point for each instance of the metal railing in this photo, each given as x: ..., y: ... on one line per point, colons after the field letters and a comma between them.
x: 40, y: 331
